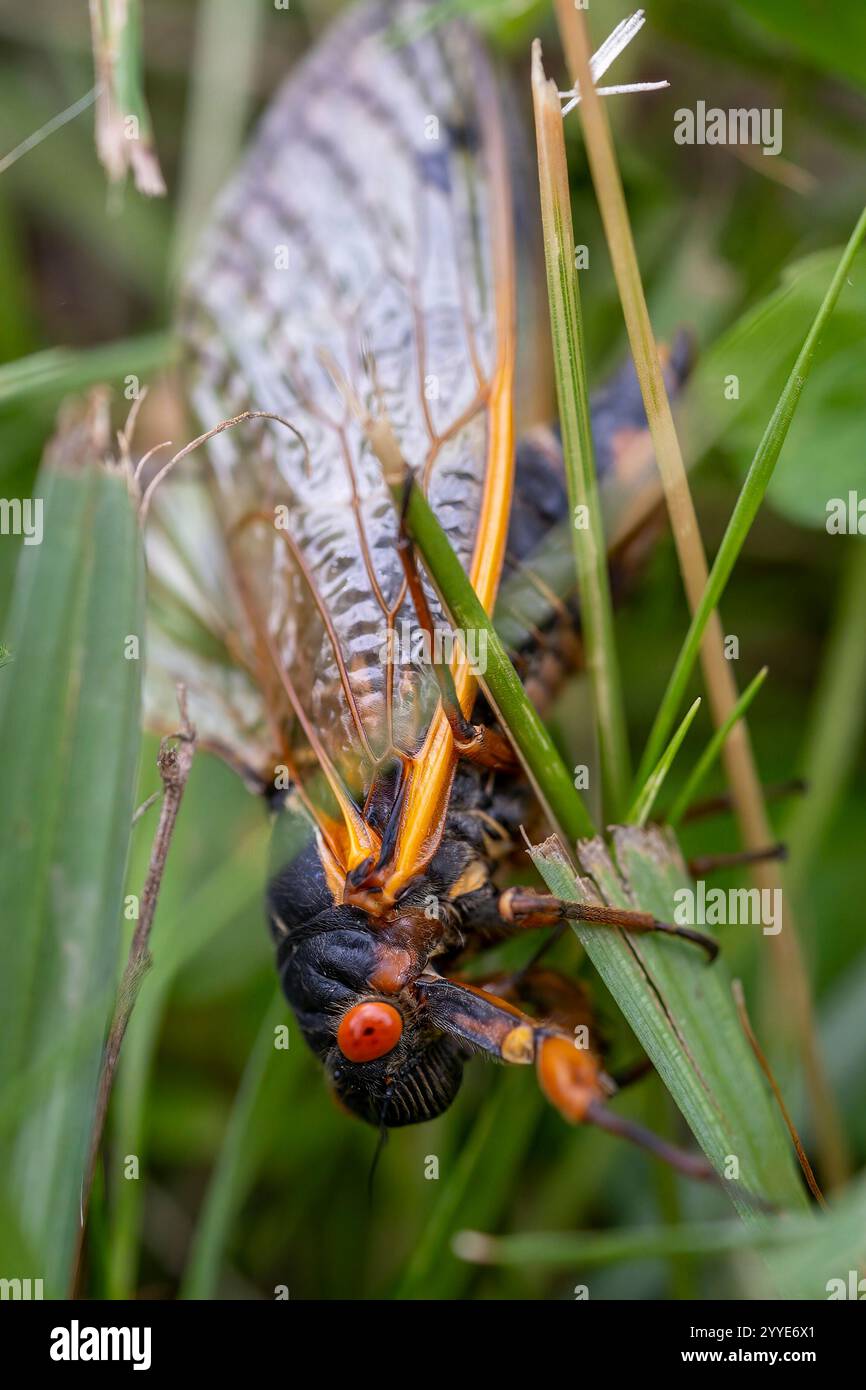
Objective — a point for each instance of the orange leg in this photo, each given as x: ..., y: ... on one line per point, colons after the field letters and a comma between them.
x: 571, y: 1077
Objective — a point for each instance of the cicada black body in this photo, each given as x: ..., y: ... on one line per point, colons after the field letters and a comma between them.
x: 367, y: 250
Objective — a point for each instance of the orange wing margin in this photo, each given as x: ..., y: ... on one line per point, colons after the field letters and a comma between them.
x: 426, y: 801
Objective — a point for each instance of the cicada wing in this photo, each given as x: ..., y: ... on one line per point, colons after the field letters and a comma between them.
x: 538, y: 588
x: 195, y: 635
x: 365, y: 240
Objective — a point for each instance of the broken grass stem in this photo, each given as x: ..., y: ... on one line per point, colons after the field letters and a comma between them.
x: 749, y: 500
x: 174, y: 761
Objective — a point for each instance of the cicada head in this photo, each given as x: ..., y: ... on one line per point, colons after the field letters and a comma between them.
x: 352, y: 984
x: 417, y: 1081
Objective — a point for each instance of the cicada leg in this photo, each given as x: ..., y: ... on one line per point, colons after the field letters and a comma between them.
x: 571, y: 1079
x: 570, y: 1076
x: 564, y: 1000
x: 526, y: 908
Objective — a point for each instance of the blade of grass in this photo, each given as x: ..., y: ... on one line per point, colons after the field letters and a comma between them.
x: 480, y: 1181
x: 55, y: 123
x: 124, y: 134
x: 589, y: 1249
x: 233, y: 1170
x: 221, y: 89
x: 793, y: 1004
x: 748, y: 502
x: 611, y: 200
x: 803, y: 1254
x: 682, y: 1013
x: 696, y: 1045
x: 566, y: 324
x: 837, y: 721
x: 646, y: 797
x: 61, y: 371
x: 69, y: 739
x: 712, y: 750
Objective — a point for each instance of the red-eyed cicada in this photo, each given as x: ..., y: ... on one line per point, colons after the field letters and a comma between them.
x: 370, y: 242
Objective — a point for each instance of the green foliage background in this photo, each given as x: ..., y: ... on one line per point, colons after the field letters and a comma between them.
x: 249, y: 1177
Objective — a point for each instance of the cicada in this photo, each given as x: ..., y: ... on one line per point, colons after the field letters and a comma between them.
x: 372, y: 249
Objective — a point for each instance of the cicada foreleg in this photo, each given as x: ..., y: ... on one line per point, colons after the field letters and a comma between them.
x: 528, y: 909
x: 477, y: 742
x: 570, y: 1076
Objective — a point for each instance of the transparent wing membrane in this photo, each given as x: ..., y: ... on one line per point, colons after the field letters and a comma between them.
x: 364, y: 239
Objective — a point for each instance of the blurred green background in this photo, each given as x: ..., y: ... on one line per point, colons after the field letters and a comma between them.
x: 249, y: 1177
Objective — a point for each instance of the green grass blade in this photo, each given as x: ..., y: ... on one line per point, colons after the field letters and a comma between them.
x: 746, y: 508
x: 566, y: 323
x: 713, y: 749
x: 63, y: 371
x: 682, y: 1012
x: 69, y: 741
x: 831, y: 1254
x: 501, y: 682
x: 233, y: 1170
x: 806, y: 1256
x: 124, y: 131
x: 590, y: 1249
x: 478, y: 1186
x: 222, y: 79
x: 646, y: 798
x: 836, y: 725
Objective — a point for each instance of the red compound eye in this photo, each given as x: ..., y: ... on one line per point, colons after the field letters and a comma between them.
x: 368, y: 1031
